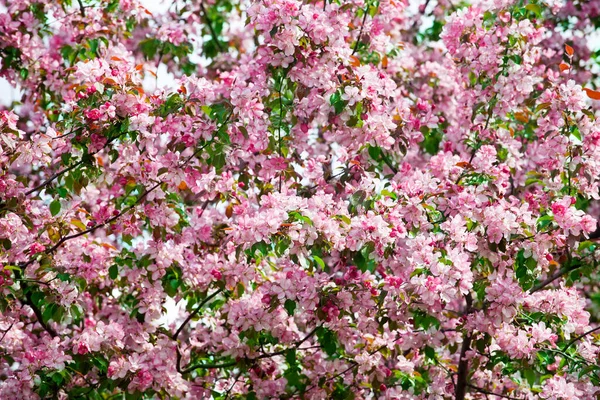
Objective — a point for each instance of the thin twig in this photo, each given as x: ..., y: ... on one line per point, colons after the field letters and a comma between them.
x: 53, y: 177
x: 108, y: 221
x: 551, y: 279
x: 28, y: 301
x: 366, y: 11
x: 210, y: 27
x: 81, y: 8
x: 480, y: 390
x: 581, y: 337
x: 234, y: 382
x: 250, y: 360
x: 5, y: 331
x: 194, y: 313
x: 65, y: 170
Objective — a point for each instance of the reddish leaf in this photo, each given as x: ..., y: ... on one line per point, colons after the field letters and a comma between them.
x: 569, y: 50
x: 592, y: 94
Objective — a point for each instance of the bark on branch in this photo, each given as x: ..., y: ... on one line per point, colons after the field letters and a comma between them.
x: 463, y: 364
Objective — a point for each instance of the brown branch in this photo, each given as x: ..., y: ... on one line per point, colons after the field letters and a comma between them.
x: 366, y: 11
x: 551, y: 279
x: 210, y: 27
x: 480, y: 390
x: 595, y: 234
x: 248, y: 360
x: 81, y: 8
x: 463, y: 369
x: 209, y: 366
x: 28, y: 301
x: 108, y: 221
x: 581, y: 337
x: 463, y: 364
x: 65, y: 170
x: 194, y: 313
x: 353, y: 365
x: 5, y: 331
x: 53, y: 177
x: 237, y: 377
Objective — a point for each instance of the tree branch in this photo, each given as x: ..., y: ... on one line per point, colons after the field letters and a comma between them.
x: 463, y: 364
x: 581, y: 337
x: 194, y: 313
x: 480, y: 390
x: 5, y: 331
x: 65, y: 170
x: 387, y: 162
x: 552, y: 278
x: 366, y: 11
x: 53, y: 177
x: 210, y: 27
x: 81, y: 8
x: 247, y: 359
x: 108, y: 221
x: 28, y: 301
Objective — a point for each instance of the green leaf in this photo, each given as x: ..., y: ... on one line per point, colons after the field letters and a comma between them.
x: 328, y: 340
x: 101, y: 363
x: 290, y: 357
x: 113, y: 272
x: 575, y: 133
x: 375, y: 152
x: 282, y: 246
x: 337, y: 102
x: 290, y: 306
x: 544, y: 221
x: 363, y: 260
x: 55, y: 207
x: 524, y: 270
x: 430, y: 353
x: 431, y: 140
x: 36, y: 298
x: 534, y: 8
x: 48, y: 312
x: 149, y: 47
x: 358, y: 198
x: 530, y: 376
x: 7, y: 244
x: 319, y: 261
x: 424, y: 320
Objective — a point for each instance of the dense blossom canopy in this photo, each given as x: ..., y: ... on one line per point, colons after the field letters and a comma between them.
x: 326, y: 199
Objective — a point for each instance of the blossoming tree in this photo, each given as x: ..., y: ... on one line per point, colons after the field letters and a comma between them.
x: 333, y: 199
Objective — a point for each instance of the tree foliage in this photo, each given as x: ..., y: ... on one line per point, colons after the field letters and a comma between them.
x: 326, y: 199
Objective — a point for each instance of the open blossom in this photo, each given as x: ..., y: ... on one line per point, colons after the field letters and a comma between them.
x: 90, y: 71
x: 351, y: 95
x: 571, y: 219
x: 558, y: 387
